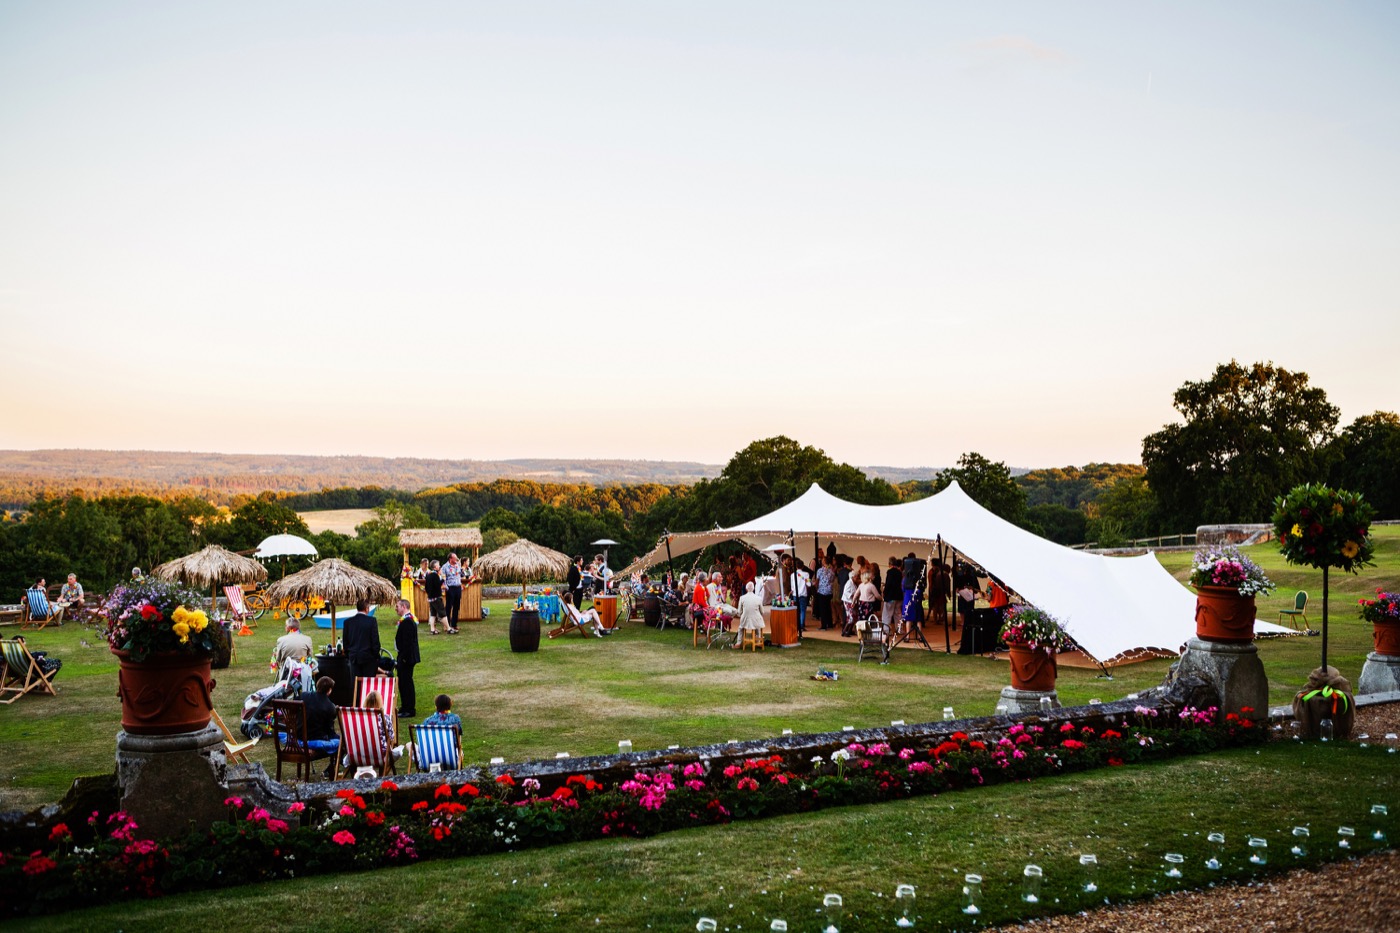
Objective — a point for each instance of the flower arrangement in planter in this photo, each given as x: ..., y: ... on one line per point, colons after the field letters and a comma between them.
x: 165, y: 644
x: 1321, y: 527
x: 1383, y: 613
x: 153, y: 616
x: 360, y: 830
x: 1226, y: 584
x: 1033, y: 637
x: 1227, y: 568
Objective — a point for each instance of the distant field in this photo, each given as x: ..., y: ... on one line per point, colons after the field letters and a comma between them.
x: 341, y: 520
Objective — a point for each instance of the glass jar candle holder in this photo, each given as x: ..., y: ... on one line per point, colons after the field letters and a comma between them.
x: 778, y: 926
x: 1364, y: 739
x: 904, y: 899
x: 1300, y: 841
x: 1003, y: 709
x: 624, y: 746
x: 831, y: 911
x: 1392, y: 742
x: 1325, y: 730
x: 1218, y: 841
x: 1089, y: 865
x: 947, y: 713
x: 1045, y: 706
x: 972, y: 893
x: 706, y: 925
x: 1174, y: 860
x: 1295, y: 730
x: 1258, y: 850
x: 1031, y: 877
x: 1345, y: 834
x: 1380, y: 813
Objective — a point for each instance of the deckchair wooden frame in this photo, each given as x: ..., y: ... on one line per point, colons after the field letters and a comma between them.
x: 416, y: 732
x: 20, y: 673
x: 357, y: 730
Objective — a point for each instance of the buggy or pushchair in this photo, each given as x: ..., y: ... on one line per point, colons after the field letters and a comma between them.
x: 298, y: 677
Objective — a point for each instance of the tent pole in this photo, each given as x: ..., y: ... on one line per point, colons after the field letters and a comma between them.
x: 947, y: 636
x: 669, y: 569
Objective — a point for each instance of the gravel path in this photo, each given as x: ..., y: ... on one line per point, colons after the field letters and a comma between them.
x: 1360, y: 896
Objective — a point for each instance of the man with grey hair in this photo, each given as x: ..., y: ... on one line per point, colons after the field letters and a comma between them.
x: 293, y: 646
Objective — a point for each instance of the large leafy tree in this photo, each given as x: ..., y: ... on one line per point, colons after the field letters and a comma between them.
x: 1366, y: 458
x: 768, y: 474
x: 989, y: 483
x: 1250, y: 433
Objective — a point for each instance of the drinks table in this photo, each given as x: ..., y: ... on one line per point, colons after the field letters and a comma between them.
x: 607, y: 610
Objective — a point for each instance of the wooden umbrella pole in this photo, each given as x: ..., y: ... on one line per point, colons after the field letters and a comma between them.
x: 1324, y: 620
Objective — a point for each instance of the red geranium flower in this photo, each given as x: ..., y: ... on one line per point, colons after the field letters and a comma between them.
x: 443, y: 790
x: 468, y: 790
x: 374, y: 818
x: 388, y: 785
x: 506, y: 779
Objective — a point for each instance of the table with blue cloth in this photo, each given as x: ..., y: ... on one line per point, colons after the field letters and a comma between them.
x: 549, y: 607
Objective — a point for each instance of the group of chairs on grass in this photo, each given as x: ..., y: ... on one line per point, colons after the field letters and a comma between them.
x: 368, y: 738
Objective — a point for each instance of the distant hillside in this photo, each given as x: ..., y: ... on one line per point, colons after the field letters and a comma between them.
x: 26, y: 474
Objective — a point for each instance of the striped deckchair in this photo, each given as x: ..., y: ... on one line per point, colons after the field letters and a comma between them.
x: 435, y: 745
x: 237, y: 609
x: 20, y: 673
x: 363, y: 742
x: 387, y: 688
x: 41, y: 611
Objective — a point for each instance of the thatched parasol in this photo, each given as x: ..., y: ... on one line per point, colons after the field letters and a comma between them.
x: 335, y: 581
x: 210, y: 567
x: 523, y: 561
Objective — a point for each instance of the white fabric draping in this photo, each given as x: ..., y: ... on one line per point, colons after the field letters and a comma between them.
x: 1116, y: 608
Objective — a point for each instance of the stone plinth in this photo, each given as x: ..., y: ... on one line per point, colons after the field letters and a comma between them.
x: 1380, y: 674
x: 1233, y: 670
x: 1027, y: 701
x: 172, y: 783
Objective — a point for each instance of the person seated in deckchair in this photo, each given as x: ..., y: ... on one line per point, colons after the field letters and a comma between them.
x: 583, y: 619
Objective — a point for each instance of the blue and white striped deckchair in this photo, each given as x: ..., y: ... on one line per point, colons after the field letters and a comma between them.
x: 436, y: 745
x: 41, y: 611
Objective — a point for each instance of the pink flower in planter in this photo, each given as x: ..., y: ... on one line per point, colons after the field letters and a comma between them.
x: 343, y: 838
x: 693, y: 784
x: 906, y: 753
x: 235, y: 802
x: 296, y: 807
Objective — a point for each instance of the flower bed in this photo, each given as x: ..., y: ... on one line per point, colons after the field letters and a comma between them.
x: 361, y: 829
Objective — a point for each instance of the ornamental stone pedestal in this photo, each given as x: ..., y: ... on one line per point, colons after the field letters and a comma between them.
x: 1026, y: 701
x: 1233, y: 670
x: 1380, y: 674
x: 173, y: 783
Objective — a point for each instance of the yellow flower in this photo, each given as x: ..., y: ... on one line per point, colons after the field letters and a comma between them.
x: 1350, y: 549
x: 182, y: 629
x: 184, y: 639
x: 181, y: 614
x: 1337, y: 508
x: 1296, y: 531
x: 198, y: 620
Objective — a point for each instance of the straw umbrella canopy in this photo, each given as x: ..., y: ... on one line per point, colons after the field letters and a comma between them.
x: 523, y: 561
x: 210, y: 567
x: 335, y: 581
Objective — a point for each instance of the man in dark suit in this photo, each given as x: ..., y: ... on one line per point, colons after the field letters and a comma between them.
x: 362, y: 641
x: 406, y: 644
x: 575, y: 581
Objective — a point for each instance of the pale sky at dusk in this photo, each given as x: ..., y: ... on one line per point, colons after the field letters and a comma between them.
x: 897, y: 231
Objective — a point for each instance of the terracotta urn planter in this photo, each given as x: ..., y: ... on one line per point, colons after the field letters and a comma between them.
x: 1032, y: 669
x: 1222, y: 614
x: 1387, y: 637
x: 165, y: 694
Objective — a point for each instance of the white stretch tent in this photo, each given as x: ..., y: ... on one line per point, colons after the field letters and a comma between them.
x: 1116, y: 608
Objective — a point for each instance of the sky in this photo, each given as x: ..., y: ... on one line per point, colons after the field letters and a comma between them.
x: 895, y: 231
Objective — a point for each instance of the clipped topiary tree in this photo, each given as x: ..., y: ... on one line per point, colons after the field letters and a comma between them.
x: 1318, y: 526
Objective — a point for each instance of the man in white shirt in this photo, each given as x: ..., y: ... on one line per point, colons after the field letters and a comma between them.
x: 801, y: 580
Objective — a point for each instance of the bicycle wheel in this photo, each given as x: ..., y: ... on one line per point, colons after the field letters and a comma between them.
x: 298, y: 609
x: 256, y: 604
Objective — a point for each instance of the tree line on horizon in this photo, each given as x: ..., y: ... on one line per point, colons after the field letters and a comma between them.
x: 1247, y: 435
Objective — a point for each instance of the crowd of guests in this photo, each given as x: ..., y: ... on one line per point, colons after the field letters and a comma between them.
x: 443, y: 583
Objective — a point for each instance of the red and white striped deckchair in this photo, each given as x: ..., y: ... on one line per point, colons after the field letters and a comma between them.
x: 387, y: 688
x: 363, y: 741
x: 236, y: 607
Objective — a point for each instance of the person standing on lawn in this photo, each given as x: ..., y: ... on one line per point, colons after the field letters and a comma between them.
x: 452, y: 576
x: 406, y: 646
x: 432, y: 588
x: 361, y: 641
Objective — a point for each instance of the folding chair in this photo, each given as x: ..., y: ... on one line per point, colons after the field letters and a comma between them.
x: 40, y: 612
x: 363, y: 742
x: 574, y: 622
x: 289, y: 738
x: 874, y: 636
x: 238, y: 609
x: 435, y: 745
x: 21, y: 673
x: 388, y: 690
x: 235, y: 751
x: 717, y: 631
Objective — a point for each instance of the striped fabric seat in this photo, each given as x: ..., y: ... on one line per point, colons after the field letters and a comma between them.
x: 22, y: 673
x: 387, y: 688
x: 363, y: 740
x: 41, y: 611
x: 436, y: 745
x: 236, y: 608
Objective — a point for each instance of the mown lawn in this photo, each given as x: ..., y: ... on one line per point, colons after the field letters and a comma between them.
x: 583, y: 695
x: 746, y: 874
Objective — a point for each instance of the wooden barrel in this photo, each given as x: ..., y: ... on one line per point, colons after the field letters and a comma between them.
x: 525, y: 630
x: 651, y: 610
